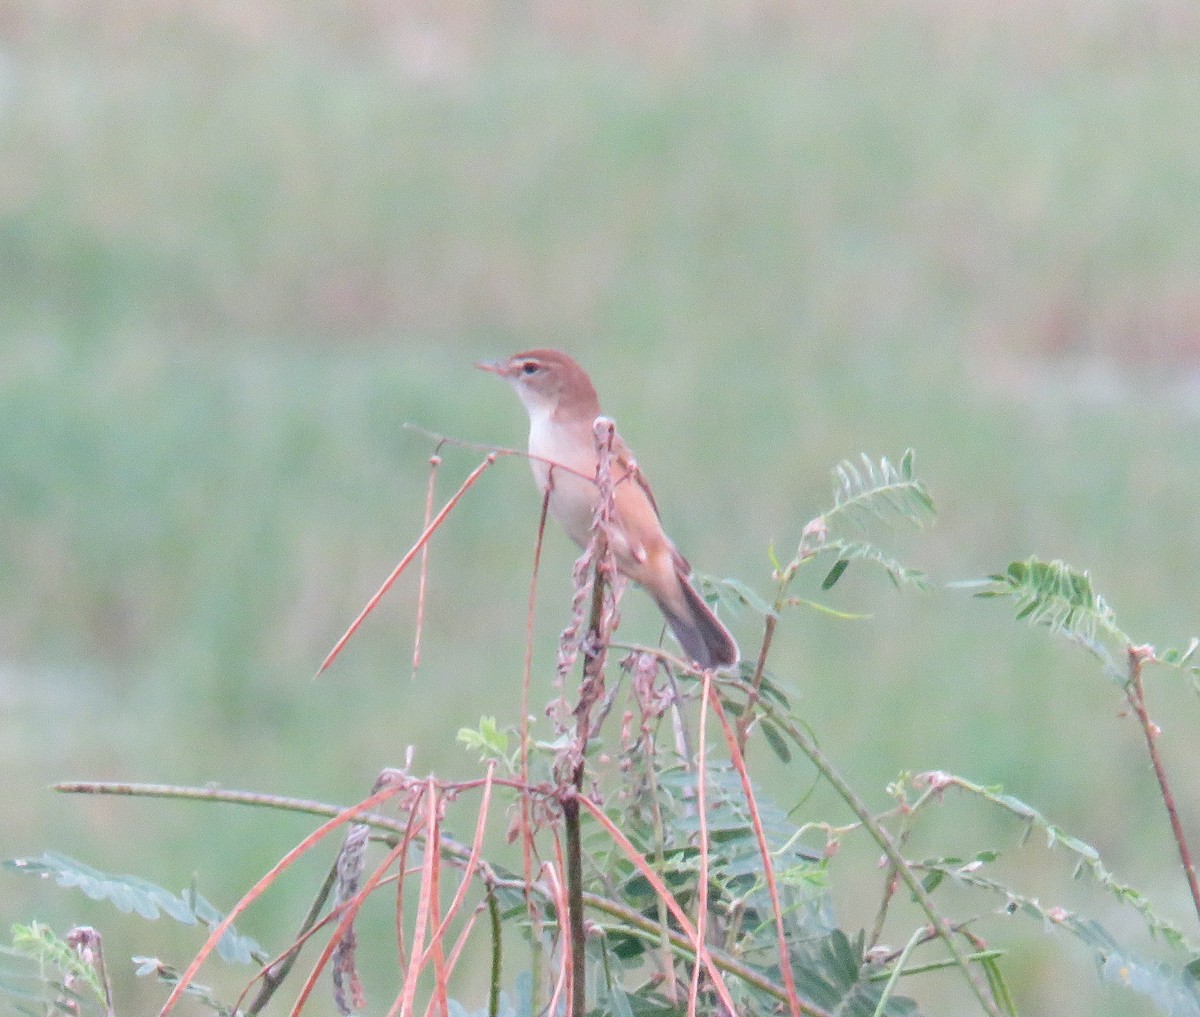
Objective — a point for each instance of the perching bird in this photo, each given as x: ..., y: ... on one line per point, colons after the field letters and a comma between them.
x: 562, y: 406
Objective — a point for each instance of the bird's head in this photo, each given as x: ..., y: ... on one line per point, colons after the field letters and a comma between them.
x: 548, y: 381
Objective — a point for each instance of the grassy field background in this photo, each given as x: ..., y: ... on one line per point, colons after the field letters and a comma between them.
x: 241, y: 248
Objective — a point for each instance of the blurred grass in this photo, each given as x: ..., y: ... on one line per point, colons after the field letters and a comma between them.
x: 240, y: 251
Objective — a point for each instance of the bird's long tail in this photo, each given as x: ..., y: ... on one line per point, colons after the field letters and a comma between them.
x: 700, y: 632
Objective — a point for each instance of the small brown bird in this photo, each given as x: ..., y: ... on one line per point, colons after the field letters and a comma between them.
x: 562, y: 406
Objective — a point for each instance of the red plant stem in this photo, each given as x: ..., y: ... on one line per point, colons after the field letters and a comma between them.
x: 747, y: 717
x: 426, y: 910
x: 437, y: 944
x: 256, y: 891
x: 406, y: 561
x: 347, y: 912
x: 1136, y: 694
x: 668, y: 898
x: 476, y: 850
x: 526, y: 683
x: 461, y: 942
x: 739, y: 764
x: 562, y: 983
x: 403, y: 953
x: 444, y: 968
x: 435, y: 461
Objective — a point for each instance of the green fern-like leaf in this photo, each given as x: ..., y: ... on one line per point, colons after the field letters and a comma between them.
x: 1183, y: 660
x: 733, y: 594
x: 867, y: 491
x: 1054, y: 594
x: 859, y: 550
x: 129, y: 893
x: 169, y: 975
x: 1172, y: 990
x: 1087, y: 861
x: 1057, y: 596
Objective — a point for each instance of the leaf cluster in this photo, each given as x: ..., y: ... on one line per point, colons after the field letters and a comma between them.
x: 701, y: 892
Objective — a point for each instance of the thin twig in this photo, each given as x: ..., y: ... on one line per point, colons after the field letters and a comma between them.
x: 223, y: 926
x: 426, y: 914
x: 1136, y: 694
x: 747, y: 717
x: 811, y: 539
x: 562, y: 907
x: 650, y: 755
x: 527, y: 846
x: 891, y: 882
x: 435, y: 461
x: 224, y: 796
x: 406, y: 560
x: 275, y: 974
x: 496, y: 450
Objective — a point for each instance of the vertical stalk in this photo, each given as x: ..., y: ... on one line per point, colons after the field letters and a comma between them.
x: 591, y: 689
x: 1135, y: 692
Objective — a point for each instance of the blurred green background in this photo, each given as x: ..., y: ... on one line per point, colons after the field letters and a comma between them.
x: 240, y: 246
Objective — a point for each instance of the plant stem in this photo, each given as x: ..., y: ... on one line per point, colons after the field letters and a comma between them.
x: 747, y: 717
x: 591, y: 690
x: 1135, y: 692
x: 575, y: 904
x: 276, y: 974
x: 497, y: 939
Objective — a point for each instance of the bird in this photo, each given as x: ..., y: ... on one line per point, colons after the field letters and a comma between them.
x: 562, y: 405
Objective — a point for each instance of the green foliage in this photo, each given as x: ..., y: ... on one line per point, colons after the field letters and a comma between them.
x: 488, y: 740
x: 1087, y: 861
x: 61, y: 982
x: 133, y: 894
x: 829, y: 968
x: 878, y: 492
x: 865, y: 494
x: 735, y: 594
x: 688, y: 838
x: 848, y: 551
x: 1181, y: 658
x: 835, y: 974
x: 1056, y: 596
x: 1062, y: 599
x: 168, y: 975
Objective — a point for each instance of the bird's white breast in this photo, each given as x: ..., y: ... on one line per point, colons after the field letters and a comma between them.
x: 573, y: 495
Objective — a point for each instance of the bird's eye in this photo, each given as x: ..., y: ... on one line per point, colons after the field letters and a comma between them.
x: 530, y: 367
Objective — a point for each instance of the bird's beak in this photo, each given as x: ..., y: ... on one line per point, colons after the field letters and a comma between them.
x: 491, y: 366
